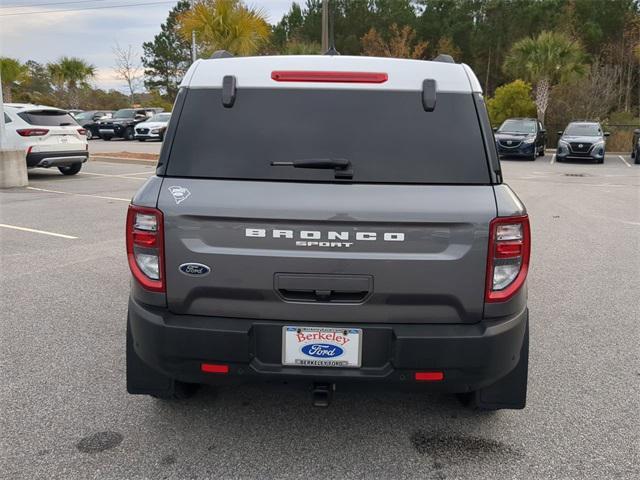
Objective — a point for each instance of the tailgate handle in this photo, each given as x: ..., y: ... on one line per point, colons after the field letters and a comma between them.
x: 323, y: 288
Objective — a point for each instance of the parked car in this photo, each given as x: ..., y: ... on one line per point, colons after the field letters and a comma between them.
x: 90, y: 121
x: 521, y: 137
x: 333, y: 229
x: 74, y: 112
x: 635, y: 146
x: 50, y: 137
x: 123, y: 122
x: 153, y: 128
x: 582, y: 141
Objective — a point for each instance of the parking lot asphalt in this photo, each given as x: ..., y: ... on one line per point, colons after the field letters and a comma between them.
x: 65, y: 412
x: 116, y: 145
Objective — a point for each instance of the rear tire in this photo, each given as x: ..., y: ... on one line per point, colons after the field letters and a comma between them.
x: 637, y: 158
x: 106, y: 138
x: 143, y: 380
x: 70, y: 169
x: 89, y: 134
x: 510, y: 392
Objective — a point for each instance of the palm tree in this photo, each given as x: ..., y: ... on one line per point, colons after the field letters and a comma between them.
x: 545, y: 61
x: 225, y: 25
x: 11, y: 71
x: 71, y: 72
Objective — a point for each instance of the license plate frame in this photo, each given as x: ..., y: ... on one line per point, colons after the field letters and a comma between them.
x: 328, y: 347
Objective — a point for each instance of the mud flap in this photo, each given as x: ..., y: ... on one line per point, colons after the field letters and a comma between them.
x: 509, y: 392
x: 142, y: 379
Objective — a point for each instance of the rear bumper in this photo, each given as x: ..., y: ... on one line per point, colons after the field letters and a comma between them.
x: 55, y: 159
x: 471, y: 356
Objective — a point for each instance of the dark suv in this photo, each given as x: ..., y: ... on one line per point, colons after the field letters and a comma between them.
x: 582, y: 141
x: 123, y: 122
x: 521, y: 137
x: 635, y: 146
x: 317, y: 219
x: 90, y: 121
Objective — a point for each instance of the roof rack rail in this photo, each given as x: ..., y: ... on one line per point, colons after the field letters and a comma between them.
x: 444, y: 58
x: 221, y: 54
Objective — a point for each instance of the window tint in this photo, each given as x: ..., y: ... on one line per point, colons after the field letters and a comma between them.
x: 124, y: 113
x: 583, y: 129
x: 386, y: 135
x: 48, y: 118
x: 518, y: 126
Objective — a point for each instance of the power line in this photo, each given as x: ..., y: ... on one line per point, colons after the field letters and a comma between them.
x: 88, y: 8
x: 29, y: 5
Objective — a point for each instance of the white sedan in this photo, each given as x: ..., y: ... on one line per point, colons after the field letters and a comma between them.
x: 50, y: 137
x: 153, y: 128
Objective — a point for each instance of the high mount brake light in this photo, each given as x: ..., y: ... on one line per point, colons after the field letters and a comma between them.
x: 145, y: 247
x: 507, y: 257
x: 32, y: 132
x: 328, y: 77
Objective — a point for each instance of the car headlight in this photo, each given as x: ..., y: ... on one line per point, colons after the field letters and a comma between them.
x: 563, y: 143
x: 598, y: 144
x: 529, y: 140
x: 155, y: 130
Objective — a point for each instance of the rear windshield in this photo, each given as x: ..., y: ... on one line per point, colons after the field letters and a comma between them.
x: 386, y: 135
x: 48, y: 118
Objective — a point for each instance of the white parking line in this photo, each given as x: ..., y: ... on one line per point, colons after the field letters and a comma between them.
x: 80, y: 194
x: 553, y: 159
x: 625, y: 162
x: 114, y: 176
x: 33, y: 230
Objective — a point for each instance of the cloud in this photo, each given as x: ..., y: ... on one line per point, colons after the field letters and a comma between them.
x: 91, y: 34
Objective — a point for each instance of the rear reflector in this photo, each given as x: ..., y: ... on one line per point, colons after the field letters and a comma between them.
x: 330, y: 77
x: 213, y: 368
x: 429, y: 376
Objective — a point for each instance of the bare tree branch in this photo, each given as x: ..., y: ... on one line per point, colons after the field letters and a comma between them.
x: 127, y: 68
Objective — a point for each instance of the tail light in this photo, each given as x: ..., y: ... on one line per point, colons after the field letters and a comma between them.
x: 508, y: 257
x: 82, y: 131
x: 32, y: 132
x: 331, y: 77
x: 145, y: 246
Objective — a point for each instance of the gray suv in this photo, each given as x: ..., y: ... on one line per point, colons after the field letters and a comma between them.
x: 317, y: 219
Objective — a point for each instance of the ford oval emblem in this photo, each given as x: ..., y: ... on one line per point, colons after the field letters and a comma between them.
x: 322, y: 350
x: 194, y: 269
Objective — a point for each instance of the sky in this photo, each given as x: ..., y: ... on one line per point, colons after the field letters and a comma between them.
x: 44, y: 30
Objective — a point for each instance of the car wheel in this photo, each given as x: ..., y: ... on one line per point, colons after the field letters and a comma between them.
x: 70, y: 169
x: 129, y: 133
x: 141, y: 139
x: 106, y: 137
x: 637, y: 157
x: 89, y: 134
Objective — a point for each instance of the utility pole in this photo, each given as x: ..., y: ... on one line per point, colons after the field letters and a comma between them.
x: 325, y: 25
x: 194, y: 50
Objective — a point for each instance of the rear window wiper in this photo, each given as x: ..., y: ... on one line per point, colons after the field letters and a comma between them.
x: 341, y: 166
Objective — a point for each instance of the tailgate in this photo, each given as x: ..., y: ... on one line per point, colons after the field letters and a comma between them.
x: 326, y: 252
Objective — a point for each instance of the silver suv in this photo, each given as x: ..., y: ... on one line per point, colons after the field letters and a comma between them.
x: 319, y: 219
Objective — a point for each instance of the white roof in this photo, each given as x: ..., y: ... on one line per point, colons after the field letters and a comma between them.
x: 402, y: 74
x: 28, y: 106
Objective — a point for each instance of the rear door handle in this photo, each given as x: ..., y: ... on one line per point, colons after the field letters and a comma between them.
x: 323, y: 288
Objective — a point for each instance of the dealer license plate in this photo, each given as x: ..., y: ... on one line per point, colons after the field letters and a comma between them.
x: 322, y: 347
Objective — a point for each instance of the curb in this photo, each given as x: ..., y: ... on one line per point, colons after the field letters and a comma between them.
x: 133, y: 161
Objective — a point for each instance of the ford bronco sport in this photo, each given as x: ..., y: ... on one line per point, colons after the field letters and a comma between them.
x: 317, y: 218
